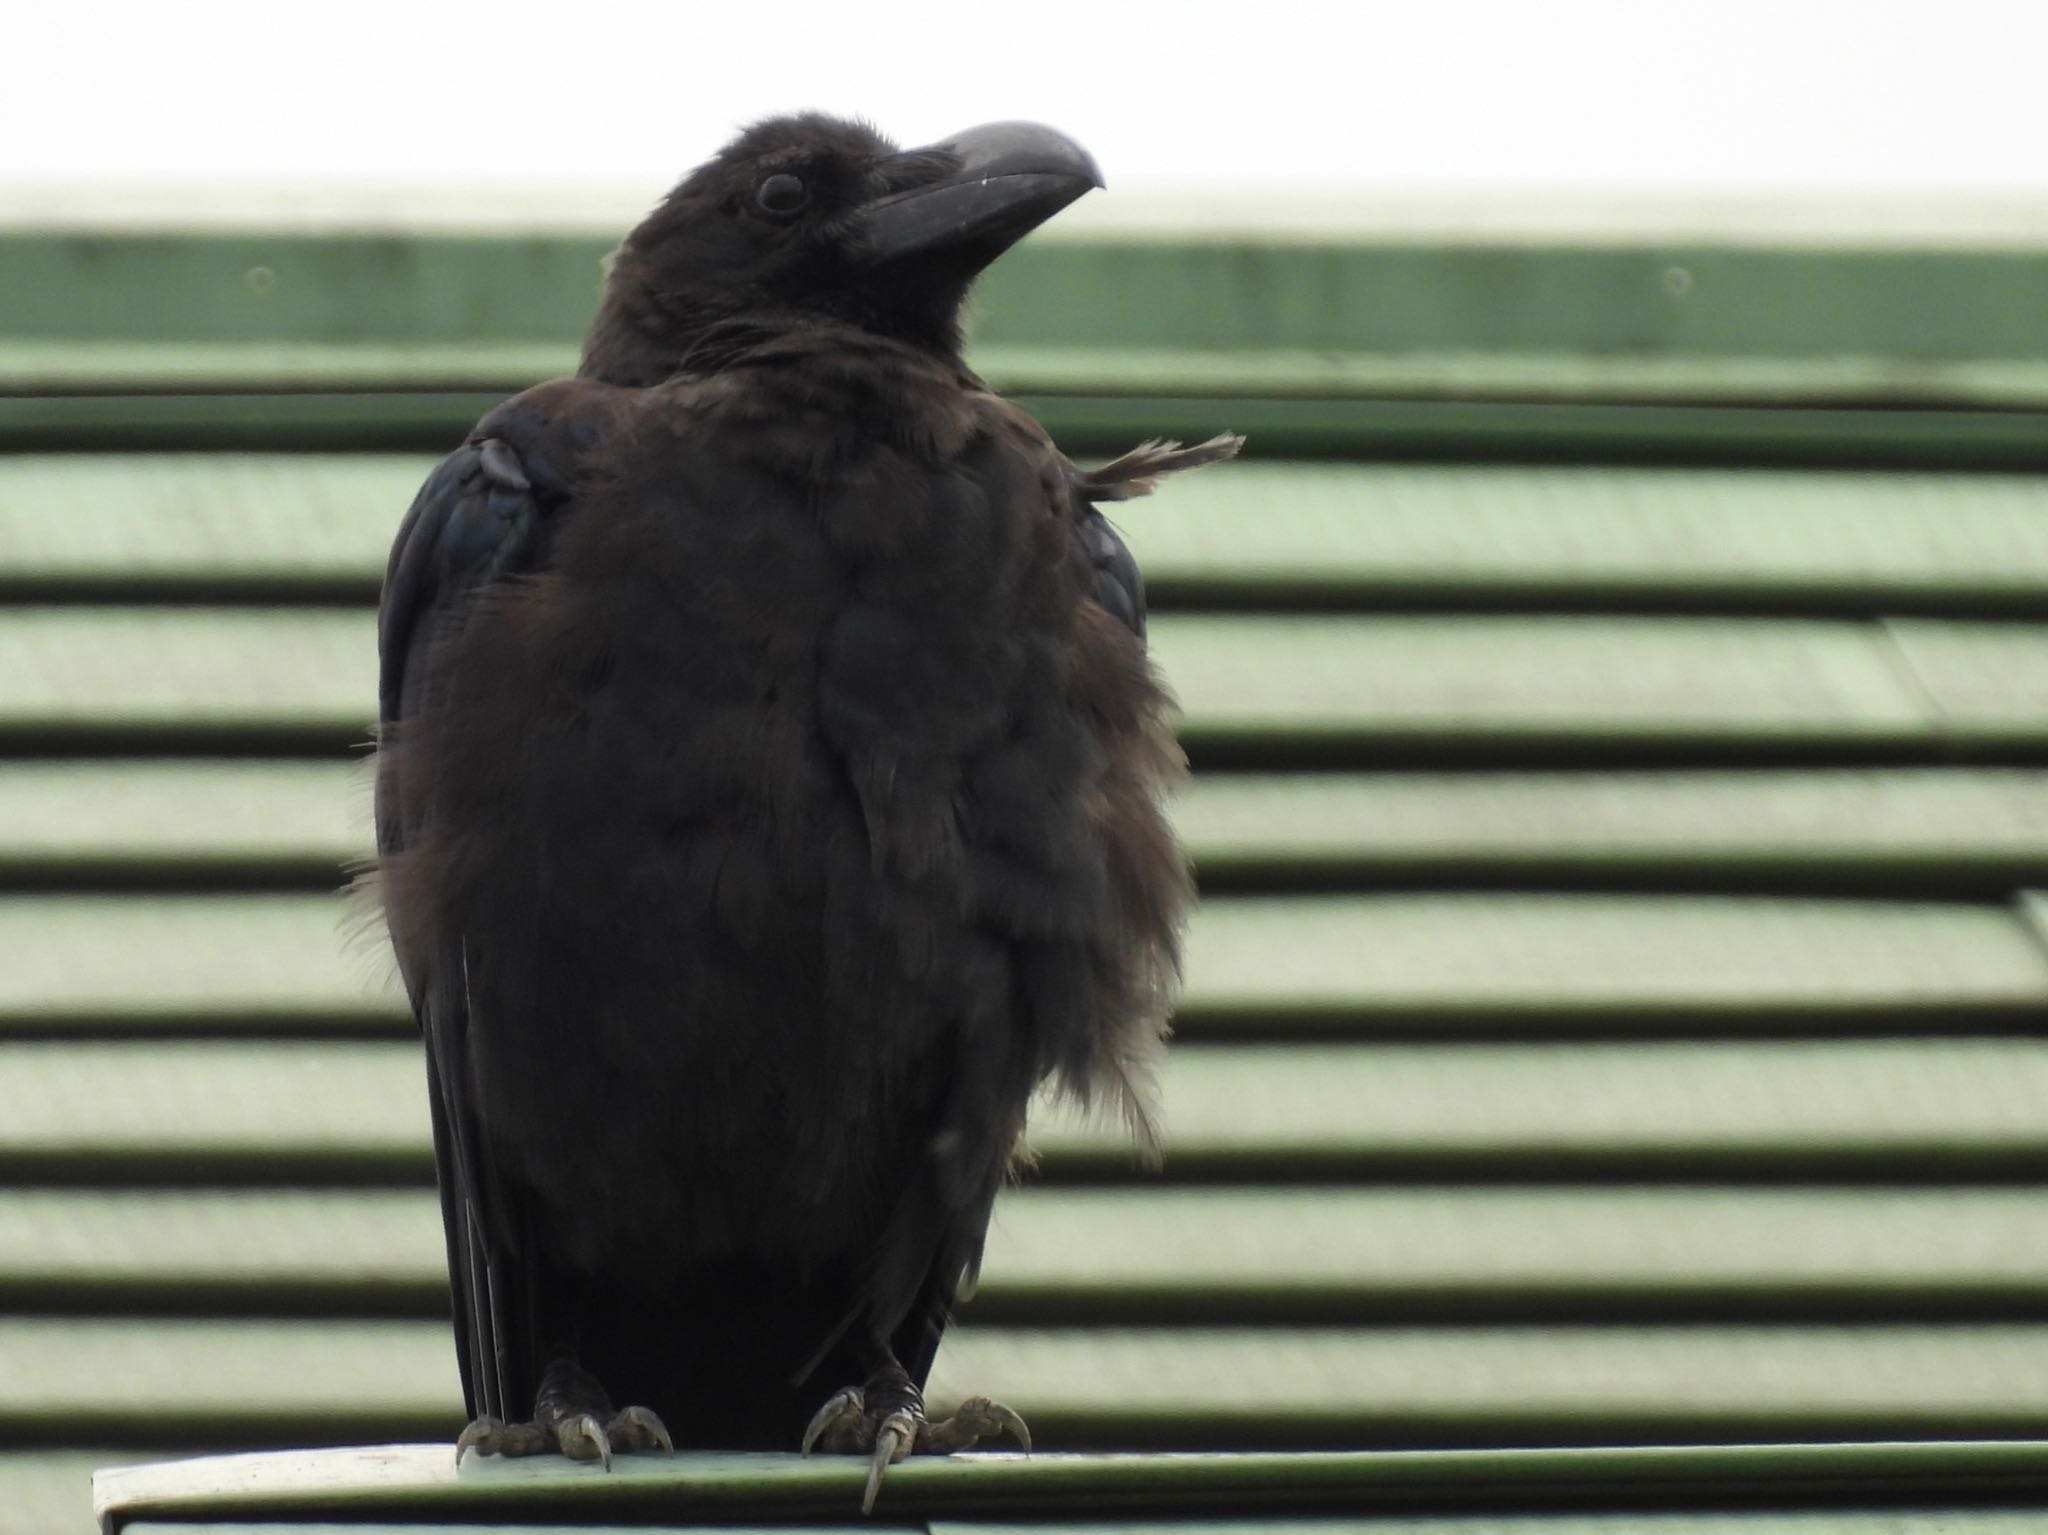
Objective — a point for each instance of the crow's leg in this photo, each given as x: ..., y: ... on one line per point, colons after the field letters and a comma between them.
x: 571, y: 1414
x: 885, y: 1420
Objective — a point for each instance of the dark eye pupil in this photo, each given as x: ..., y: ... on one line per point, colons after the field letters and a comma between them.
x: 780, y: 193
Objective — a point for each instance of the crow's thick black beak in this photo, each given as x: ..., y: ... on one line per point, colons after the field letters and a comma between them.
x: 1010, y: 178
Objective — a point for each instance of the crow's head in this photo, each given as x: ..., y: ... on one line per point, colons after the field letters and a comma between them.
x: 817, y: 216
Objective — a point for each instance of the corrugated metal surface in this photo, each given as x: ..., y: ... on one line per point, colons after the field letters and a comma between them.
x: 1616, y: 1017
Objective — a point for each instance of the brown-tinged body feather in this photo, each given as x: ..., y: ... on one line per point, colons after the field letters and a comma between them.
x: 769, y: 802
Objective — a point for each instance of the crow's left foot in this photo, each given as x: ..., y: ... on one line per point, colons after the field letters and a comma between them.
x: 887, y: 1423
x: 572, y: 1416
x: 584, y: 1436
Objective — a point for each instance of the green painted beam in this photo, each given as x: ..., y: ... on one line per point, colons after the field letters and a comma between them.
x: 1259, y: 371
x: 1461, y: 430
x: 1356, y: 534
x: 400, y: 1481
x: 304, y: 679
x: 1919, y: 307
x: 209, y: 823
x: 1149, y: 1255
x: 1785, y: 1109
x: 1563, y: 963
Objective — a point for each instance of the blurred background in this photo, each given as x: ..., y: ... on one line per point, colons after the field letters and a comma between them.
x: 1616, y: 679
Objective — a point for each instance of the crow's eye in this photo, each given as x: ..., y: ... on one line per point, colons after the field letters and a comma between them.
x: 781, y: 194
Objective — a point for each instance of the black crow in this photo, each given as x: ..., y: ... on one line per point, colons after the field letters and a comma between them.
x: 767, y: 804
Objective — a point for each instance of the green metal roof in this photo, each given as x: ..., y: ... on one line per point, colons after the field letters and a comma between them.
x: 1618, y: 689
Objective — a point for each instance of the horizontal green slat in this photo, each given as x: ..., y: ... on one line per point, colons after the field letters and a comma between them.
x: 1976, y: 828
x: 286, y: 1381
x: 290, y: 675
x: 1990, y: 681
x: 1091, y: 1254
x: 1586, y: 957
x: 1347, y: 532
x: 417, y: 1480
x: 1986, y: 827
x: 195, y: 957
x: 1555, y: 1385
x: 206, y: 819
x: 1793, y: 1108
x: 291, y: 960
x: 203, y: 518
x: 1534, y: 679
x: 1507, y: 533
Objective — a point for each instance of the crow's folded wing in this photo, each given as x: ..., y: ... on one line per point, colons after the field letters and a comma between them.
x: 484, y: 516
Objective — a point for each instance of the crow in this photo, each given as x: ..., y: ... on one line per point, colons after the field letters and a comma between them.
x: 768, y: 802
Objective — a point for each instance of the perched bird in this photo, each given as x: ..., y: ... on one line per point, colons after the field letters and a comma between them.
x: 767, y: 803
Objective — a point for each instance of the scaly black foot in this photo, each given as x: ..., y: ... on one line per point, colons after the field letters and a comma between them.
x: 886, y: 1422
x: 571, y: 1416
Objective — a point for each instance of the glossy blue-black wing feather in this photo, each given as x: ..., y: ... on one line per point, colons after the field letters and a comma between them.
x: 1119, y: 585
x: 483, y: 516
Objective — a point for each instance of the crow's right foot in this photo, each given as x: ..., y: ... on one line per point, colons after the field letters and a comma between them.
x: 886, y: 1422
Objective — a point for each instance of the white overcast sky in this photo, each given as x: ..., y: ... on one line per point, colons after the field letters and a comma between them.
x: 1659, y: 94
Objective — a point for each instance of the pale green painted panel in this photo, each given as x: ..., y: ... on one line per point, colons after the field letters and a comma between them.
x: 1088, y: 1246
x: 262, y: 1243
x: 1554, y: 1381
x: 172, y: 668
x: 1515, y: 528
x: 256, y: 1103
x: 318, y: 518
x: 49, y: 1492
x: 273, y: 960
x: 1588, y: 680
x: 1361, y: 529
x: 196, y: 815
x: 379, y: 1379
x: 253, y: 1106
x: 1591, y: 679
x: 1589, y: 955
x: 224, y: 957
x: 1669, y: 823
x: 1512, y: 1242
x: 194, y: 1378
x: 1984, y: 680
x: 306, y: 818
